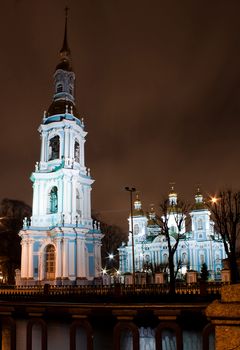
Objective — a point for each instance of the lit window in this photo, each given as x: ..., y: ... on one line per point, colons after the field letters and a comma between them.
x: 50, y: 262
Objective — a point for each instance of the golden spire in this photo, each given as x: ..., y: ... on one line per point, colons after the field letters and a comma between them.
x: 137, y: 210
x: 172, y: 191
x: 65, y: 53
x: 65, y: 47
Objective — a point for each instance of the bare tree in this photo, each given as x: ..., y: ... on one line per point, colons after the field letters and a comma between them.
x: 172, y: 212
x: 225, y: 211
x: 12, y: 213
x: 113, y: 236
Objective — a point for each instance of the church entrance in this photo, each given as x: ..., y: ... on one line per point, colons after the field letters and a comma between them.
x: 50, y: 262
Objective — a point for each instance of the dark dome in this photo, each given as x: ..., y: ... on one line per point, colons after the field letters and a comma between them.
x: 59, y: 107
x: 64, y: 65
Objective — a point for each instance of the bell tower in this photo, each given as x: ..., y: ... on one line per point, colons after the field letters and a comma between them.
x: 61, y: 244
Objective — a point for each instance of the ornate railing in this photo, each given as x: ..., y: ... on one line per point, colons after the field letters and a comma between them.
x: 117, y: 290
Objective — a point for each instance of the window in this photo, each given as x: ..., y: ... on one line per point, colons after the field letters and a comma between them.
x: 136, y: 229
x: 77, y: 151
x: 202, y: 259
x: 54, y: 148
x: 53, y: 200
x: 50, y: 262
x: 184, y: 258
x: 147, y: 258
x: 165, y: 258
x: 59, y: 88
x: 70, y: 90
x: 200, y: 224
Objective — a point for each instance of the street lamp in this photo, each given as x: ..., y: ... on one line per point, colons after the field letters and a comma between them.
x: 131, y: 190
x: 111, y: 256
x: 214, y: 200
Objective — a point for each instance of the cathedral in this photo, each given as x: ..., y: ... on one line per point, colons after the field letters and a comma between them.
x: 60, y: 243
x: 198, y: 242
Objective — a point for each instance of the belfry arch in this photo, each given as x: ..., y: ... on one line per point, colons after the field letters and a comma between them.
x: 54, y: 148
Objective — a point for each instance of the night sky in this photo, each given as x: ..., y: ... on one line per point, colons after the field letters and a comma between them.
x: 158, y: 84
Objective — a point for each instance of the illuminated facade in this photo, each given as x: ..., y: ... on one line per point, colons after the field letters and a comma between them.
x: 196, y: 246
x: 61, y: 244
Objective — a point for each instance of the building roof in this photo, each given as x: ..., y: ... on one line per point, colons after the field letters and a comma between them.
x: 59, y: 107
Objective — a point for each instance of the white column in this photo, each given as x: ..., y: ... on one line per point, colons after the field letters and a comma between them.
x: 24, y: 256
x: 82, y: 141
x: 41, y: 265
x: 43, y: 147
x: 60, y: 195
x: 97, y: 258
x: 87, y: 202
x: 69, y: 199
x: 58, y: 273
x: 71, y: 145
x: 42, y: 200
x: 65, y: 195
x: 74, y: 197
x: 65, y: 258
x: 30, y: 258
x: 66, y: 143
x: 72, y: 258
x: 81, y: 265
x: 81, y: 201
x: 61, y: 149
x: 35, y: 199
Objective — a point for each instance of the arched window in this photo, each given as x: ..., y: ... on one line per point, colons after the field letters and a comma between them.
x: 200, y: 224
x: 136, y: 229
x: 165, y: 258
x: 59, y: 88
x: 184, y: 258
x: 202, y: 258
x: 81, y: 335
x: 50, y: 262
x: 53, y: 200
x: 54, y: 148
x: 77, y: 151
x: 126, y: 336
x: 36, y: 334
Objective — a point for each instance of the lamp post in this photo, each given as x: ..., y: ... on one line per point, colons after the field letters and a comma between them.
x: 131, y: 190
